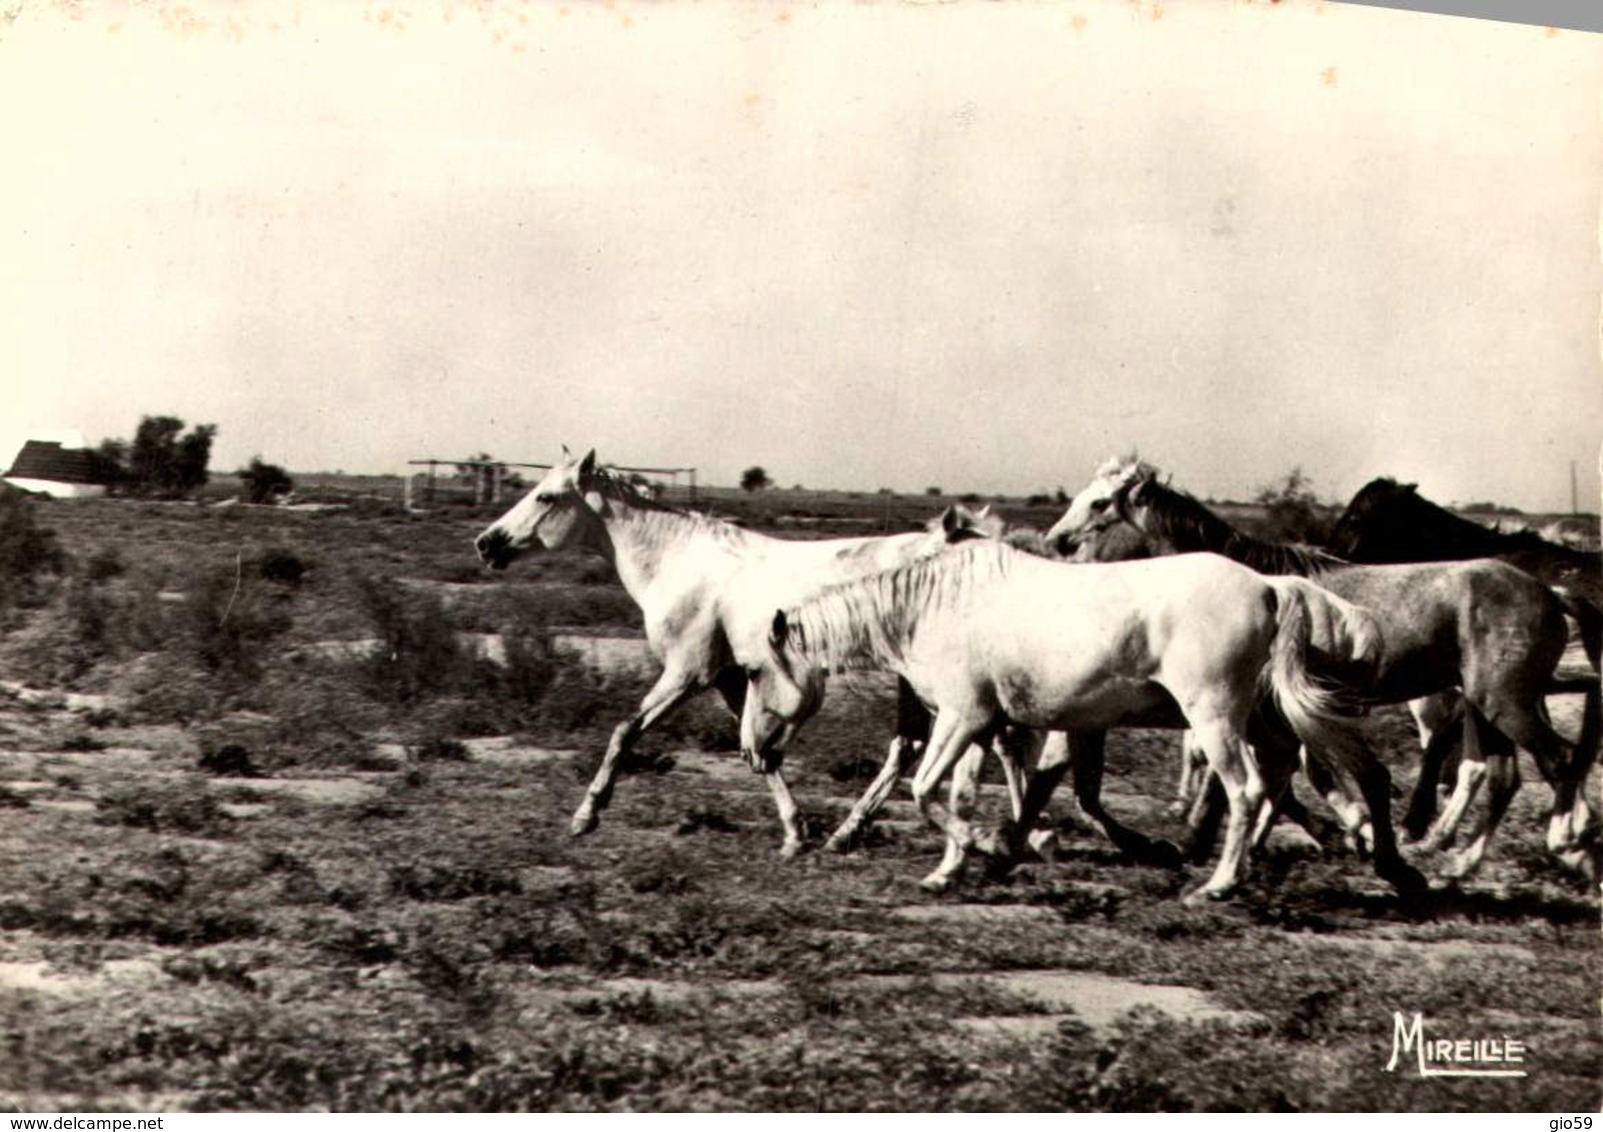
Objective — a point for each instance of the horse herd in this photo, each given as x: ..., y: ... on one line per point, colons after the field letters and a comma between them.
x: 1138, y: 608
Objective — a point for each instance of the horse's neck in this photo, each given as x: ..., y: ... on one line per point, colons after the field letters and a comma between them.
x: 639, y: 539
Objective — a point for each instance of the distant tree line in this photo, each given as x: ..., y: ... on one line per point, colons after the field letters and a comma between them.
x: 166, y: 462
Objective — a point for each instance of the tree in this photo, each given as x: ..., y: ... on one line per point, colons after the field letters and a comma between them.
x: 1291, y: 509
x: 164, y: 460
x: 194, y: 453
x: 263, y: 481
x: 754, y: 479
x: 111, y: 461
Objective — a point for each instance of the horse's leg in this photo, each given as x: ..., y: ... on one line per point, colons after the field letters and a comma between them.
x: 672, y: 688
x: 1374, y: 783
x: 1050, y: 768
x: 1357, y: 823
x: 1014, y: 747
x: 901, y: 752
x: 1231, y: 758
x: 964, y: 794
x: 1192, y: 779
x: 1467, y: 783
x: 1574, y: 825
x: 1570, y: 833
x: 949, y: 739
x: 1203, y: 820
x: 789, y: 812
x: 1277, y: 758
x: 912, y: 736
x: 1502, y: 782
x: 1088, y: 757
x: 1290, y: 807
x: 1439, y: 733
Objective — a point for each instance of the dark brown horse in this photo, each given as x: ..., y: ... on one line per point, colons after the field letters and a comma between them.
x: 1482, y: 626
x: 1389, y: 521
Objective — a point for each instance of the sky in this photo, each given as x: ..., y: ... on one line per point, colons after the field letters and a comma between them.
x: 976, y: 246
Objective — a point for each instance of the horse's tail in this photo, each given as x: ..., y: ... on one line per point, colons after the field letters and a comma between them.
x: 1312, y: 623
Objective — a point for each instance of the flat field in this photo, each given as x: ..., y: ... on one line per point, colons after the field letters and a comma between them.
x: 285, y: 802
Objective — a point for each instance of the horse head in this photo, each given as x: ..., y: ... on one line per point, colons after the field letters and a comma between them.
x: 553, y: 512
x: 782, y: 693
x: 1375, y: 505
x: 1101, y: 504
x: 960, y: 524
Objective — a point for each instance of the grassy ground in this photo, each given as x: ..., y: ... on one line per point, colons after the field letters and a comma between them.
x: 242, y: 867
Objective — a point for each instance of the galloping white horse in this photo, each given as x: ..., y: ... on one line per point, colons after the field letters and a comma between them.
x: 991, y: 636
x: 707, y: 589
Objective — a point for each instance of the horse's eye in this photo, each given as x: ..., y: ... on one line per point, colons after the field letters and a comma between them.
x: 1101, y: 504
x: 752, y: 674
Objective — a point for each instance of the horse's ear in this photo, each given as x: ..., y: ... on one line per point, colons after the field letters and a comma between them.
x: 1136, y: 492
x: 1409, y: 488
x: 951, y: 521
x: 779, y: 632
x: 587, y: 466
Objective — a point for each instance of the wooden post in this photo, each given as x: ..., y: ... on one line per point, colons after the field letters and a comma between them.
x: 429, y: 494
x: 406, y: 489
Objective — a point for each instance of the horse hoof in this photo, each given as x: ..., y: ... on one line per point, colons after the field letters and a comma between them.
x: 583, y: 822
x: 935, y: 884
x: 1199, y: 897
x: 1043, y: 843
x: 1407, y: 880
x: 1460, y: 866
x: 790, y: 850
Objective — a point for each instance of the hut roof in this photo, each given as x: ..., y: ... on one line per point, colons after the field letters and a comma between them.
x: 48, y: 460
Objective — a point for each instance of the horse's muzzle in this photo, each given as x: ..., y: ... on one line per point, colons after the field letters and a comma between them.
x: 495, y: 549
x: 1065, y: 545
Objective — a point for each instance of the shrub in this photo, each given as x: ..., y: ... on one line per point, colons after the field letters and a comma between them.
x: 278, y: 565
x: 262, y: 482
x: 27, y: 550
x: 418, y: 654
x: 1292, y: 510
x: 227, y: 622
x: 186, y: 808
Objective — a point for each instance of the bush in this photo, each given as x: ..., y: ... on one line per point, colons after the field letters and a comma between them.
x: 278, y: 565
x: 1292, y: 510
x: 186, y: 808
x: 228, y: 621
x: 418, y: 655
x: 27, y: 550
x: 263, y: 482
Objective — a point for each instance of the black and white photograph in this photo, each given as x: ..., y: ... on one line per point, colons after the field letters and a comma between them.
x: 734, y: 556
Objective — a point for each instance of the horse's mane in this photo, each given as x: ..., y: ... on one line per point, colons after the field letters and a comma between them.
x: 1183, y: 523
x: 868, y: 621
x: 615, y: 485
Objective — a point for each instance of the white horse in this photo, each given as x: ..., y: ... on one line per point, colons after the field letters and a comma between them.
x: 707, y: 589
x: 1475, y: 639
x: 989, y: 636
